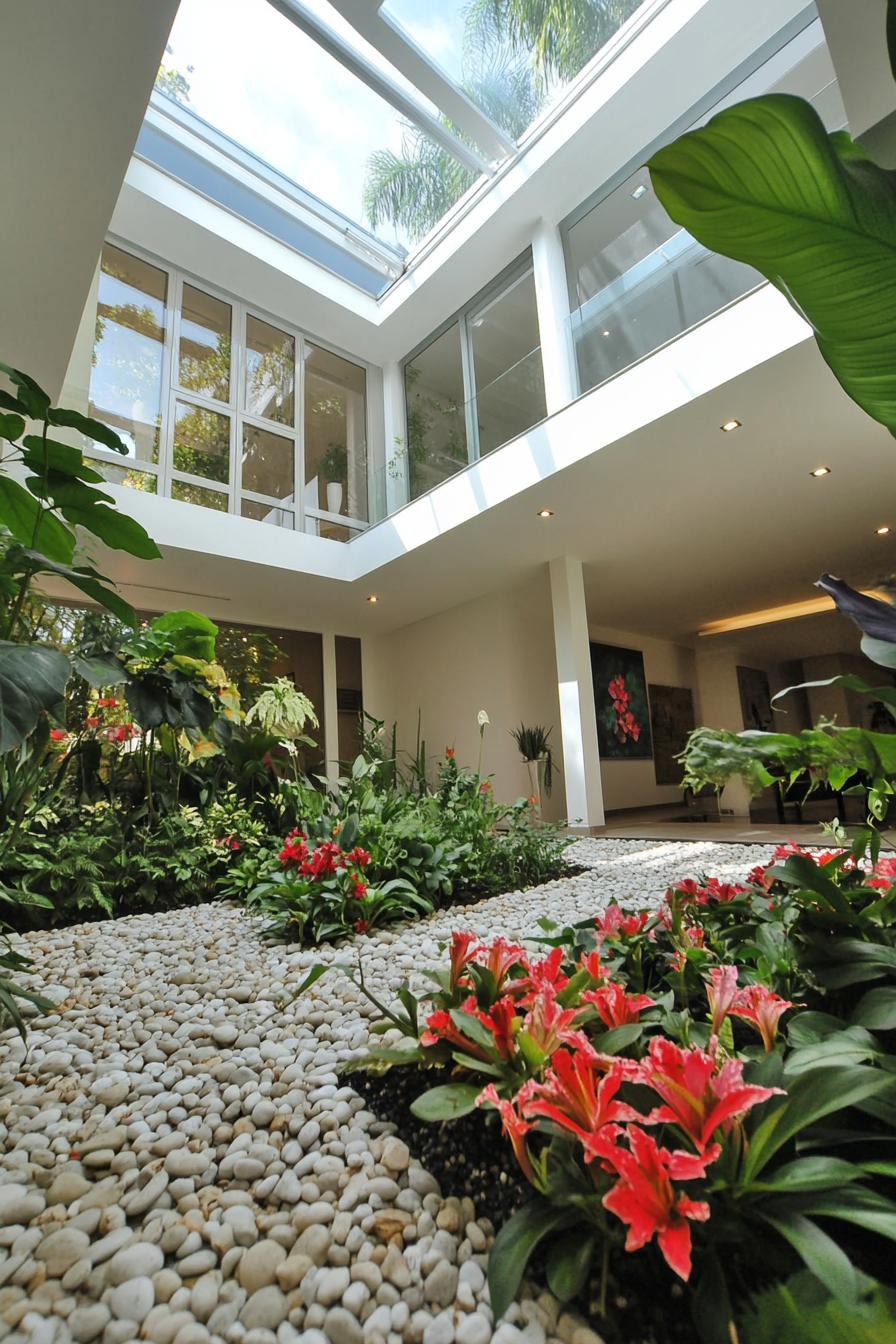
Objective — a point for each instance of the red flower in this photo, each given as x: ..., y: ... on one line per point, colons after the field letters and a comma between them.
x: 578, y: 1094
x: 645, y: 1199
x: 449, y: 753
x: 359, y: 889
x: 615, y: 1007
x: 698, y: 1097
x: 500, y: 957
x: 361, y: 926
x: 762, y: 1009
x: 92, y: 722
x: 58, y: 735
x: 461, y: 954
x: 721, y: 992
x: 108, y: 703
x: 359, y: 856
x: 615, y: 923
x: 295, y: 850
x: 485, y: 786
x: 514, y: 1126
x: 440, y: 1027
x: 590, y: 962
x: 883, y: 875
x: 549, y: 1025
x: 542, y: 975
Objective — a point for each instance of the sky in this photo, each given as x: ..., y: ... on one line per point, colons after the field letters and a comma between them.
x: 262, y: 82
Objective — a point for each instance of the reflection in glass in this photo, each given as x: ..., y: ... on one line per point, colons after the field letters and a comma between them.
x: 267, y: 513
x: 268, y: 463
x: 204, y: 356
x: 147, y: 481
x: 198, y: 494
x: 436, y: 445
x: 335, y: 434
x: 507, y: 364
x: 202, y: 442
x: 126, y: 376
x: 270, y: 372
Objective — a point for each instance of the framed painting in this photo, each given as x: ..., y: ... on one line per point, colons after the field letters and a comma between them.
x: 620, y: 699
x: 671, y: 721
x: 755, y: 699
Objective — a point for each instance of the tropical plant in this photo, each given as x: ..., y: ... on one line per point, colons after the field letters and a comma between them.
x: 764, y: 183
x: 334, y: 462
x: 284, y: 711
x: 558, y: 37
x: 43, y: 516
x: 714, y: 1078
x: 534, y: 744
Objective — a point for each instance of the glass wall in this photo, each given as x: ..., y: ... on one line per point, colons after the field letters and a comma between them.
x: 204, y: 394
x: 477, y: 385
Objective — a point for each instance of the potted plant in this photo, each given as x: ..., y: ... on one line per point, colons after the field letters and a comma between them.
x: 334, y: 466
x: 535, y: 749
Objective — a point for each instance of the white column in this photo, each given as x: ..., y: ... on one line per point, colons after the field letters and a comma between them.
x: 578, y: 720
x: 396, y: 453
x: 331, y: 710
x: 552, y: 301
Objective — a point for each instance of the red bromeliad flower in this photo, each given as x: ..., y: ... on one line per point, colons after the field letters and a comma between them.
x: 762, y: 1009
x: 883, y: 875
x: 590, y: 962
x: 359, y: 889
x: 550, y: 1026
x: 513, y: 1124
x: 325, y: 860
x: 295, y: 849
x: 541, y: 975
x: 645, y: 1199
x: 359, y: 856
x: 699, y: 1097
x: 499, y: 1021
x: 579, y: 1093
x: 500, y: 957
x: 461, y: 954
x: 615, y: 1006
x: 615, y: 923
x: 58, y: 734
x: 721, y: 992
x: 361, y: 926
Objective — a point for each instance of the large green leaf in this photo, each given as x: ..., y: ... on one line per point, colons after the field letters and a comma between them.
x: 819, y: 1253
x: 84, y: 577
x: 764, y: 183
x: 114, y: 529
x: 32, y: 679
x: 29, y: 394
x: 192, y: 634
x: 568, y: 1263
x: 94, y: 429
x: 22, y: 515
x: 446, y: 1102
x: 514, y: 1244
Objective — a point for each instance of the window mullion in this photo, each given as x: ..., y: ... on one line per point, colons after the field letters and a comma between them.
x: 471, y: 422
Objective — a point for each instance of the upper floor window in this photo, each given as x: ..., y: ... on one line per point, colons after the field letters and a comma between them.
x: 223, y: 407
x: 476, y: 385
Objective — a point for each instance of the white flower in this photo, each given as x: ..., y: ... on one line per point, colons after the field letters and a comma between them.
x: 483, y: 719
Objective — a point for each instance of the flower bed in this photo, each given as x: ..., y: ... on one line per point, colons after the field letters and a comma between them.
x: 699, y: 1096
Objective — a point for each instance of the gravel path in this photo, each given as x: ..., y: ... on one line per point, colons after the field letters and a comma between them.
x: 180, y: 1163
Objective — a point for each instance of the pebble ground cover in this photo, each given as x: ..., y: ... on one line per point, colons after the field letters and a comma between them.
x: 181, y: 1162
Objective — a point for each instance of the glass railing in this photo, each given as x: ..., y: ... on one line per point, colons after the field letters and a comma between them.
x: 437, y: 446
x: 666, y: 294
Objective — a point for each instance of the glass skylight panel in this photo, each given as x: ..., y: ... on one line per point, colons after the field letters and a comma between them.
x: 512, y: 60
x: 254, y: 76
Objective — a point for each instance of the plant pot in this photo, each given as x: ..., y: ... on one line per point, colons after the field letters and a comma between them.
x: 536, y: 771
x: 334, y: 496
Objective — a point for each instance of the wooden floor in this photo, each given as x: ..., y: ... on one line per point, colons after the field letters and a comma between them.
x: 664, y: 823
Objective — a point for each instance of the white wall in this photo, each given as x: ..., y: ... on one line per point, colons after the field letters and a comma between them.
x: 495, y: 653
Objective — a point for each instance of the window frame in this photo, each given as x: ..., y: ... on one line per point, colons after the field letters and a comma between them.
x: 172, y: 392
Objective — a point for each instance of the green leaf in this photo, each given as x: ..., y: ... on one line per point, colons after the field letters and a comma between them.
x: 30, y: 394
x: 61, y: 457
x: 765, y: 184
x: 819, y: 1253
x: 11, y: 427
x: 446, y: 1102
x: 811, y: 1096
x: 87, y: 580
x: 21, y: 513
x: 861, y: 1206
x: 116, y: 530
x: 568, y: 1263
x: 100, y: 671
x: 94, y: 429
x: 32, y: 680
x: 192, y: 634
x: 876, y: 1010
x: 618, y: 1038
x: 474, y: 1030
x: 513, y: 1246
x: 809, y: 1173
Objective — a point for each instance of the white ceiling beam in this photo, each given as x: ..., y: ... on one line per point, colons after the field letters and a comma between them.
x: 400, y: 50
x: 380, y: 82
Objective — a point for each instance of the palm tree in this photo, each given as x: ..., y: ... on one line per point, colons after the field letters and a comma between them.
x: 515, y: 51
x: 413, y: 190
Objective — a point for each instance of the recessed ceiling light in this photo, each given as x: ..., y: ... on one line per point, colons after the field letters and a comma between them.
x: 545, y: 513
x: 882, y: 531
x: 373, y: 598
x: 729, y: 426
x: 820, y: 471
x: 639, y: 192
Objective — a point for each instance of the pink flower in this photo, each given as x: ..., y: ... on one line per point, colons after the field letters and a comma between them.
x: 461, y: 954
x: 513, y: 1124
x: 578, y: 1093
x: 721, y: 993
x: 762, y: 1009
x: 645, y: 1199
x: 615, y: 923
